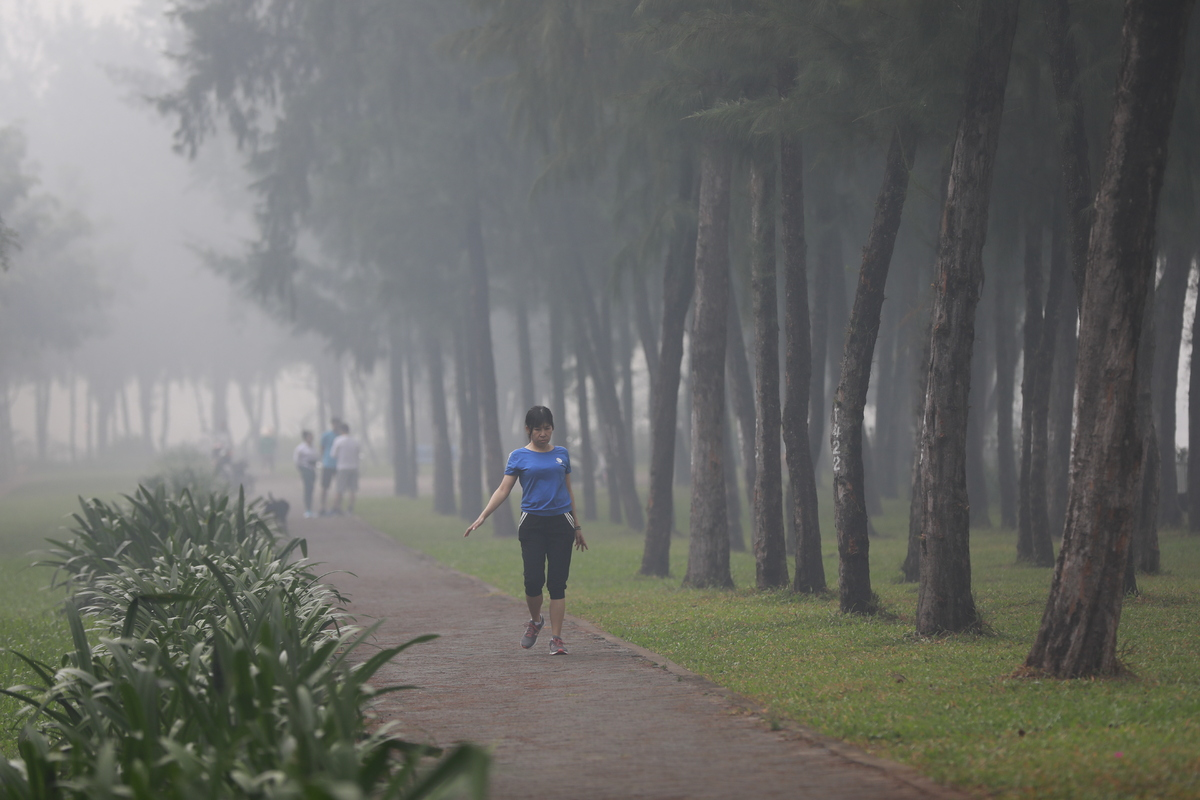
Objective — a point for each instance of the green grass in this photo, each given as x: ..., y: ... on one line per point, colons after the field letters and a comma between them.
x: 31, y: 511
x: 947, y: 706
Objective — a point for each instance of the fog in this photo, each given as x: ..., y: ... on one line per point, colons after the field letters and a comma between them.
x: 163, y: 329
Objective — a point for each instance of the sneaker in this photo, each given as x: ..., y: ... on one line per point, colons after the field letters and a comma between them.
x: 557, y: 648
x: 532, y: 629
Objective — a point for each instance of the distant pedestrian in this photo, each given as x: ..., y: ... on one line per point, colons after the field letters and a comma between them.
x: 549, y: 527
x: 345, y: 452
x: 305, y: 459
x: 328, y: 464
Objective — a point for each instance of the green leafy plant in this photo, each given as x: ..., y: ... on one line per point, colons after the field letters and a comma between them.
x: 224, y: 667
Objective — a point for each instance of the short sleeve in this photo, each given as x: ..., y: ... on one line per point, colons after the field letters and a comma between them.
x: 567, y: 461
x: 514, y: 463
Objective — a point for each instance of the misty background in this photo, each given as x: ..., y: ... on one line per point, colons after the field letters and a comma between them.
x: 132, y: 324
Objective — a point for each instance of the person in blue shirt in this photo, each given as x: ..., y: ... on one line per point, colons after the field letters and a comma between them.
x: 328, y: 462
x: 549, y: 527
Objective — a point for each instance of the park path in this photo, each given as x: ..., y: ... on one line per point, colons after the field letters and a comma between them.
x: 611, y: 720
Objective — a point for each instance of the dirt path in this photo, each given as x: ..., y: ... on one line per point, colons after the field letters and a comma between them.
x: 610, y: 720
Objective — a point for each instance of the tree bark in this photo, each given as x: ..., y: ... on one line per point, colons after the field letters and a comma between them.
x: 558, y: 382
x: 443, y: 457
x: 404, y: 479
x: 41, y: 405
x: 741, y: 395
x: 587, y: 454
x: 525, y: 353
x: 977, y: 488
x: 678, y: 275
x: 1078, y: 634
x: 770, y: 547
x: 599, y: 365
x: 480, y: 348
x: 1193, y: 463
x: 470, y: 472
x: 799, y: 384
x: 846, y: 424
x: 1059, y: 302
x: 733, y: 500
x: 708, y: 547
x: 1032, y: 335
x: 945, y: 603
x: 1168, y: 335
x: 1072, y: 134
x: 1006, y: 462
x: 1148, y: 479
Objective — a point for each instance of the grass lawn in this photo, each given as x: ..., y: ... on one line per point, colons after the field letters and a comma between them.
x: 31, y: 511
x: 946, y: 706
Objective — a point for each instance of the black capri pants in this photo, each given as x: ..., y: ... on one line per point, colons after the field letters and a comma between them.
x: 546, y: 544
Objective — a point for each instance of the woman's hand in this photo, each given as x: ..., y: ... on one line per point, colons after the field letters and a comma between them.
x: 474, y: 525
x: 580, y: 544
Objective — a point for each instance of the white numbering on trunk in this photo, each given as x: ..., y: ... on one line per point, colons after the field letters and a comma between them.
x: 835, y: 442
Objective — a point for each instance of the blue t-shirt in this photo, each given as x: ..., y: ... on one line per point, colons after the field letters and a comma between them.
x: 543, y: 478
x: 327, y: 459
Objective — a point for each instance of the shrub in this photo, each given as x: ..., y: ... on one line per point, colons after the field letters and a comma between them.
x: 223, y: 669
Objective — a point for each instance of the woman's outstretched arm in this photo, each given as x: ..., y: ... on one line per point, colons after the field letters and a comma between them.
x: 498, y: 497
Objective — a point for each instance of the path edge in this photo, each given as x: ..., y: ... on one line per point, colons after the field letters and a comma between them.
x: 738, y: 703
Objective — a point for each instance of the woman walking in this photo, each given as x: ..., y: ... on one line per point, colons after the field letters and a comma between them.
x: 549, y: 527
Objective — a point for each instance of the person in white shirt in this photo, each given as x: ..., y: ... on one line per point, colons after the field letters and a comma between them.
x: 305, y: 459
x: 345, y: 452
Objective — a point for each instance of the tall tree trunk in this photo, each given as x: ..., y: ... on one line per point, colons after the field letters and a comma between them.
x: 846, y: 423
x: 1032, y: 335
x: 558, y: 378
x: 470, y: 473
x: 586, y: 462
x: 839, y: 319
x: 146, y: 410
x: 708, y: 548
x: 945, y: 602
x: 220, y: 405
x: 73, y: 402
x: 1006, y: 464
x: 799, y: 383
x: 1077, y: 191
x: 164, y: 422
x: 910, y: 570
x: 1168, y: 335
x: 1072, y: 133
x: 977, y: 488
x: 1193, y: 462
x: 41, y: 405
x: 443, y: 457
x: 525, y: 350
x: 1078, y: 634
x: 604, y: 371
x: 678, y: 275
x: 1059, y: 302
x: 741, y: 395
x: 1062, y: 413
x: 482, y: 358
x: 645, y: 327
x: 1148, y: 480
x: 7, y: 449
x: 404, y: 479
x: 819, y: 337
x: 625, y: 345
x: 733, y: 500
x: 600, y: 366
x: 770, y: 547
